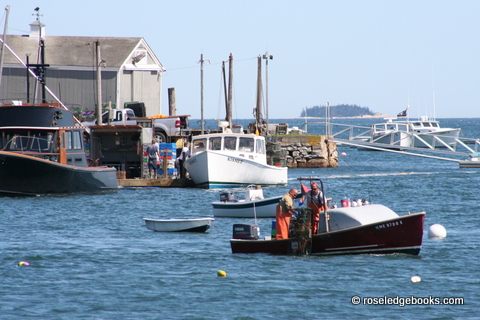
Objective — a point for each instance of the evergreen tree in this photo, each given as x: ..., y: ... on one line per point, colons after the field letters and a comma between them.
x: 341, y: 110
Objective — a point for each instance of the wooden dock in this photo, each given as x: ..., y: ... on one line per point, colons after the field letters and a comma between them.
x: 161, y: 182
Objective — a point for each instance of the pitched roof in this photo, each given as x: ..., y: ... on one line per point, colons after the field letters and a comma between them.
x: 77, y: 51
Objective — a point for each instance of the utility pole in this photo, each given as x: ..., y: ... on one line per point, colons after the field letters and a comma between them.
x: 201, y: 92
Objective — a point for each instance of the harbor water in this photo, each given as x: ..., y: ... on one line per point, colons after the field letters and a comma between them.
x: 91, y: 257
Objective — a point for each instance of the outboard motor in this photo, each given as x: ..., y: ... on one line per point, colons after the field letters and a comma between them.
x: 245, y: 231
x: 226, y: 196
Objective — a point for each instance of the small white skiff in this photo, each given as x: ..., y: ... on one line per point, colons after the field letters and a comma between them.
x: 179, y: 225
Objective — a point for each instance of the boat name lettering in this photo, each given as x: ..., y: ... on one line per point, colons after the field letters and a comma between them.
x: 234, y: 160
x: 193, y: 161
x: 388, y: 225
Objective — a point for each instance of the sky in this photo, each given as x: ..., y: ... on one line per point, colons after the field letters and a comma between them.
x: 381, y: 54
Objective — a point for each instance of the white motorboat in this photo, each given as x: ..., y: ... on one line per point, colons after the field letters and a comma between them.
x: 226, y: 159
x: 422, y: 133
x: 251, y: 204
x: 394, y: 134
x: 473, y: 161
x: 179, y: 225
x: 429, y: 133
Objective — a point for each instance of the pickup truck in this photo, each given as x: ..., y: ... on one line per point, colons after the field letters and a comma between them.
x: 166, y: 127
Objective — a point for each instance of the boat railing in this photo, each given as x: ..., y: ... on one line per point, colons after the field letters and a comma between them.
x: 393, y: 141
x: 355, y: 133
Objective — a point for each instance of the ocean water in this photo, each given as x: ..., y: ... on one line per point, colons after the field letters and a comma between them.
x: 91, y: 257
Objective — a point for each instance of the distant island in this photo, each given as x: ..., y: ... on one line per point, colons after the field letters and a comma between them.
x: 339, y: 111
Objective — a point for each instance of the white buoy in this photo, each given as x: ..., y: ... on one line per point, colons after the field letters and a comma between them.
x: 437, y: 231
x: 343, y: 153
x: 415, y: 279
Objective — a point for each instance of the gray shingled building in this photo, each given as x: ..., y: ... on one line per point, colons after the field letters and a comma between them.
x: 130, y: 70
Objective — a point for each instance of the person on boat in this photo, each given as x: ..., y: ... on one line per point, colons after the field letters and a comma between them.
x: 184, y: 154
x: 284, y: 214
x: 314, y: 200
x: 153, y: 152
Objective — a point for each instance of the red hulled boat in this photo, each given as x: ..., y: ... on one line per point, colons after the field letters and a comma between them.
x: 362, y: 229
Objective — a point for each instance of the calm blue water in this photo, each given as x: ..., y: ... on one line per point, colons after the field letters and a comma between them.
x: 91, y: 257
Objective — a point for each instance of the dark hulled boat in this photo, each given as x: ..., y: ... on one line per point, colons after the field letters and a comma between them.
x: 362, y: 229
x: 42, y: 152
x: 397, y: 235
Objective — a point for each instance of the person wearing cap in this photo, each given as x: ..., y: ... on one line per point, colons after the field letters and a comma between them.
x: 314, y: 200
x: 284, y: 214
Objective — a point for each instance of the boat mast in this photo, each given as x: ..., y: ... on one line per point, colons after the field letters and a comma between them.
x: 258, y: 112
x: 7, y: 11
x: 267, y: 57
x: 99, y: 83
x: 40, y: 67
x: 230, y: 89
x: 433, y: 86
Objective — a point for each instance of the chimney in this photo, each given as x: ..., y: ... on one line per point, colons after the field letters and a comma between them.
x: 37, y: 29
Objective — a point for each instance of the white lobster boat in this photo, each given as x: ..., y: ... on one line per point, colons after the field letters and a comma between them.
x: 422, y: 133
x: 222, y: 160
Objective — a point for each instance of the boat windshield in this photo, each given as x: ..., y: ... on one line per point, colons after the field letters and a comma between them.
x: 230, y: 143
x: 215, y: 143
x: 260, y: 146
x: 72, y: 140
x: 391, y: 127
x: 28, y: 141
x: 198, y: 146
x: 246, y: 144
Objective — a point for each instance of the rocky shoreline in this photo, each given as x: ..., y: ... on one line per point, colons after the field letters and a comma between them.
x: 313, y: 151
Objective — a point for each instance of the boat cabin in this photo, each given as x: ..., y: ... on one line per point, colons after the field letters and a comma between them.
x: 43, y: 131
x: 389, y: 127
x: 243, y: 145
x: 425, y: 126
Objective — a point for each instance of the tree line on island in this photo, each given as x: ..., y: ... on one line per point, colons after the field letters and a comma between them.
x: 341, y: 110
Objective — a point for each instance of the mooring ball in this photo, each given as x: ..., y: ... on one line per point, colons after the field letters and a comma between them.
x: 437, y: 231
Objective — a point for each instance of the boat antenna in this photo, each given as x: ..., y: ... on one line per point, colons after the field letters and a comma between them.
x: 327, y: 227
x: 433, y: 87
x: 7, y: 11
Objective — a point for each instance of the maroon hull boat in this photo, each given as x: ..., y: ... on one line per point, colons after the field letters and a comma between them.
x: 363, y: 229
